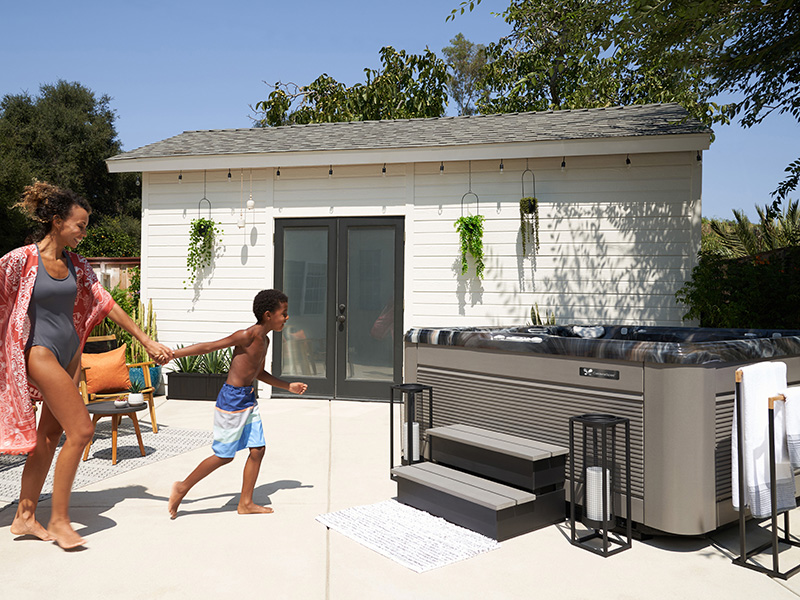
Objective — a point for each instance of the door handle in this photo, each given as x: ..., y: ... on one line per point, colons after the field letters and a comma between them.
x: 341, y: 319
x: 342, y: 308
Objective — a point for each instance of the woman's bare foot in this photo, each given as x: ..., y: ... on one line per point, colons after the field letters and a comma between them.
x: 253, y: 509
x: 65, y: 536
x: 175, y: 497
x: 21, y: 526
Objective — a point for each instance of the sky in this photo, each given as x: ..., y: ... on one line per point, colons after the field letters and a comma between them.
x: 172, y: 66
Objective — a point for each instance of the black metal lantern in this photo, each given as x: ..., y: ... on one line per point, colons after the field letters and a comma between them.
x: 410, y: 438
x: 595, y: 481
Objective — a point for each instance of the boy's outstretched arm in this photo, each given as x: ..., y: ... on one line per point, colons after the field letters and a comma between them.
x: 235, y: 339
x: 295, y: 387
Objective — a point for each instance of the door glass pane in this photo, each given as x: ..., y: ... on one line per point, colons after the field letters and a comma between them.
x: 370, y: 303
x: 305, y: 281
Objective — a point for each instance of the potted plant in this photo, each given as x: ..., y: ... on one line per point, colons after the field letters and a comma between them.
x: 135, y: 395
x: 470, y: 232
x: 199, y: 377
x: 529, y: 223
x: 202, y: 243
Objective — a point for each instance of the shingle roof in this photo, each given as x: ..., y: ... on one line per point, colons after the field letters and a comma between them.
x: 637, y: 120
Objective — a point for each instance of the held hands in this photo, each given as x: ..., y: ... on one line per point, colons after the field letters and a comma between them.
x: 159, y: 352
x: 297, y: 387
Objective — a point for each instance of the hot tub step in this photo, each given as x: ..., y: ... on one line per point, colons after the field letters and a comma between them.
x: 492, y: 509
x: 521, y: 462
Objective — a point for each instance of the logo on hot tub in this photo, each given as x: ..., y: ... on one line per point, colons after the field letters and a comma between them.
x: 601, y: 373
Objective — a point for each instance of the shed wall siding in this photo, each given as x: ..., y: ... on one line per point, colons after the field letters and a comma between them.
x: 616, y: 242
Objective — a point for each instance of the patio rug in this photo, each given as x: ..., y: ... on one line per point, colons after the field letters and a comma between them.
x: 168, y: 442
x: 411, y: 537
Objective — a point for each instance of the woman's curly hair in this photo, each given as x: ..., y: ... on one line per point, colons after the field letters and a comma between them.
x: 43, y: 202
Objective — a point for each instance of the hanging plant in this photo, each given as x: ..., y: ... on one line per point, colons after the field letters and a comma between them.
x: 470, y: 231
x: 202, y: 242
x: 529, y: 223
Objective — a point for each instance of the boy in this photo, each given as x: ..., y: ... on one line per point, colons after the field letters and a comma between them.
x: 237, y: 423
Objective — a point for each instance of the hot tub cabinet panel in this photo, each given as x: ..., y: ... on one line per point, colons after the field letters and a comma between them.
x: 680, y: 412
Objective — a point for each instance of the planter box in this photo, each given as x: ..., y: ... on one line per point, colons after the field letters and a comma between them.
x: 197, y: 386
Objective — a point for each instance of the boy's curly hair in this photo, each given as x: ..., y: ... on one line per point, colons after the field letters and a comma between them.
x: 268, y: 300
x: 43, y: 202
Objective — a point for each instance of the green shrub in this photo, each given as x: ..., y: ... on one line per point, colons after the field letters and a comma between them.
x: 753, y: 292
x: 113, y: 236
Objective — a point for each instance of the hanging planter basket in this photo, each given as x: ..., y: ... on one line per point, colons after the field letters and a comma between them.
x: 529, y: 217
x: 470, y: 233
x: 202, y: 241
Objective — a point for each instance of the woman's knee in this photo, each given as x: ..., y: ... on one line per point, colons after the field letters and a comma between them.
x: 81, y: 432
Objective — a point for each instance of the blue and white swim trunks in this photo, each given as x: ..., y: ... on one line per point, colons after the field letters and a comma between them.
x: 237, y: 422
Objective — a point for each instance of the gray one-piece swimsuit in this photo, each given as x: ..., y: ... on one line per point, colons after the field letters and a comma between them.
x: 50, y: 311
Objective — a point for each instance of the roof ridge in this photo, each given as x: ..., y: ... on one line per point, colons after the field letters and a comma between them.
x: 549, y: 111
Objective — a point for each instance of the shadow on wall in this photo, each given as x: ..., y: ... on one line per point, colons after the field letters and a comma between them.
x: 468, y: 284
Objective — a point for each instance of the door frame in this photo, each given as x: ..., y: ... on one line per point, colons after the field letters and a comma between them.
x: 336, y: 385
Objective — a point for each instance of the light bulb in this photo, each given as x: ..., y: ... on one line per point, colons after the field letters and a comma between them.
x: 278, y: 172
x: 240, y: 222
x: 441, y: 168
x: 501, y: 165
x: 250, y: 203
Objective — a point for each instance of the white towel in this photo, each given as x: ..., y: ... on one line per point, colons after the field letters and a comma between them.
x: 793, y: 425
x: 759, y: 382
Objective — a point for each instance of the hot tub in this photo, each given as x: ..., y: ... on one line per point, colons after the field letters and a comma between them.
x: 675, y: 384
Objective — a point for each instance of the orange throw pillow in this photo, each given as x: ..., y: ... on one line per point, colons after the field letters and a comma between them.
x: 107, y: 371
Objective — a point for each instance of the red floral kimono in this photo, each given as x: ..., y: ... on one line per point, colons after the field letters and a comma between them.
x: 17, y: 275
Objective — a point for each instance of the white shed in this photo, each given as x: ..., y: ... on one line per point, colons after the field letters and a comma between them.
x: 355, y: 221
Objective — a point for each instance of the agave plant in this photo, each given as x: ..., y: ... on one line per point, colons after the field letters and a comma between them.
x: 217, y: 361
x: 188, y: 364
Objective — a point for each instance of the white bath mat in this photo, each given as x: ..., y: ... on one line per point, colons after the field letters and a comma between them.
x: 411, y: 537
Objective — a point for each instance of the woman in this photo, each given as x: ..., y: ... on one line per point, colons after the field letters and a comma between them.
x: 50, y: 300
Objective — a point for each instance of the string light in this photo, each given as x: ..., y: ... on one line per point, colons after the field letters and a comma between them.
x: 699, y: 156
x: 628, y: 161
x: 278, y: 173
x: 501, y: 165
x: 229, y: 174
x: 441, y: 168
x: 563, y: 163
x: 330, y: 172
x: 241, y: 221
x: 383, y: 170
x: 250, y: 203
x: 180, y: 177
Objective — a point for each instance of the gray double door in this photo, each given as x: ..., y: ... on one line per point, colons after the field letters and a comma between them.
x: 344, y: 279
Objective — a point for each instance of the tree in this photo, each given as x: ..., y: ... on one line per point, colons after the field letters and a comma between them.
x: 407, y: 86
x: 62, y: 136
x: 565, y: 54
x: 746, y: 47
x: 466, y: 61
x: 584, y: 53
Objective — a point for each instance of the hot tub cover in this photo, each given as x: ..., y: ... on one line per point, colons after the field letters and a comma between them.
x: 677, y: 345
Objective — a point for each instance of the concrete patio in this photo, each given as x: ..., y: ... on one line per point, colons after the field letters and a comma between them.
x: 324, y: 456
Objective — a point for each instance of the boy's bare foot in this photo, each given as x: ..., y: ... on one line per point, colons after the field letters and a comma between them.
x: 65, y: 536
x: 175, y: 497
x: 30, y: 526
x: 253, y: 509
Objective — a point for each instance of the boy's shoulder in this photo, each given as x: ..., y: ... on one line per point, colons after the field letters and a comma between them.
x: 250, y: 335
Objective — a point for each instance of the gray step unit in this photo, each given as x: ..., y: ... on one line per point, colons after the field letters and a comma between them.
x: 496, y: 484
x: 492, y: 509
x: 527, y: 464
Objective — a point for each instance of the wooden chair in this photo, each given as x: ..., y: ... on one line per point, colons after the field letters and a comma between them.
x: 148, y: 384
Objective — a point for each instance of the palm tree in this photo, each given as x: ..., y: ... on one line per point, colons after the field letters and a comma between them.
x: 743, y: 238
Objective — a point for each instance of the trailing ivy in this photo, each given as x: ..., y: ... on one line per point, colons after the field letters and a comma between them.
x: 202, y: 243
x: 529, y: 223
x: 470, y: 231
